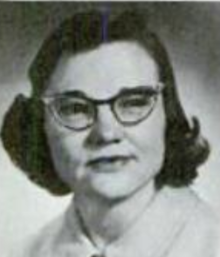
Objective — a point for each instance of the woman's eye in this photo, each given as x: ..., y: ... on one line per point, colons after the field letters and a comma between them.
x: 74, y: 108
x: 135, y: 102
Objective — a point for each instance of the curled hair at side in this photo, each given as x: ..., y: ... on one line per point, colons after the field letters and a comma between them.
x: 185, y: 147
x: 25, y: 140
x: 23, y: 132
x: 183, y: 156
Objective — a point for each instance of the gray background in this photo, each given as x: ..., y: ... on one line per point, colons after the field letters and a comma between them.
x: 192, y: 36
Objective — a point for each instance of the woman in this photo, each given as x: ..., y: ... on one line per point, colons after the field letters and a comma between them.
x: 104, y: 121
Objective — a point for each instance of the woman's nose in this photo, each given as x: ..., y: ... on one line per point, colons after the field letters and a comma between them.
x: 106, y: 129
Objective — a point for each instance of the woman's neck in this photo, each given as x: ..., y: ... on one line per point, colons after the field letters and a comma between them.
x: 106, y: 220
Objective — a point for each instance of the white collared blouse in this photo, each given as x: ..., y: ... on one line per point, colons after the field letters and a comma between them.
x: 176, y: 224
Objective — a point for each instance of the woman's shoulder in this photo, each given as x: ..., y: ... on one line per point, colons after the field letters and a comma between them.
x: 42, y: 242
x: 199, y: 235
x: 35, y: 242
x: 189, y: 202
x: 62, y: 231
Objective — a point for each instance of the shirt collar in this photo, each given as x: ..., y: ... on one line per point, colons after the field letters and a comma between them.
x: 151, y: 236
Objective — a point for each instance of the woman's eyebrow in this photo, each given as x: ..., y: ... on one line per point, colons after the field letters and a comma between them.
x: 73, y: 93
x: 141, y: 88
x: 68, y: 93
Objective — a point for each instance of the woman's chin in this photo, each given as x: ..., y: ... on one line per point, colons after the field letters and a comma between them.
x: 113, y: 187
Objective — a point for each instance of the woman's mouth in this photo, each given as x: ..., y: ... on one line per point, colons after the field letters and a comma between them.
x: 109, y: 163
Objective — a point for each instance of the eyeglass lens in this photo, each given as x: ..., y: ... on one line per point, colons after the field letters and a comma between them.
x: 132, y: 108
x: 74, y: 112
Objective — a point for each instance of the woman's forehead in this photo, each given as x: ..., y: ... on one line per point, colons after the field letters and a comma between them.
x: 102, y: 72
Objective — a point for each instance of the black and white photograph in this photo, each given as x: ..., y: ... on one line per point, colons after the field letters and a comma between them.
x: 109, y: 129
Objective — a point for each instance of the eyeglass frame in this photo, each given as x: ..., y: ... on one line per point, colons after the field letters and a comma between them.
x: 97, y: 102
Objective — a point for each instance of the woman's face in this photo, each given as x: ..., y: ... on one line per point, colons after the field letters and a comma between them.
x: 107, y: 158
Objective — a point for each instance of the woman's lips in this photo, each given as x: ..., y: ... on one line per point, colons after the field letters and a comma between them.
x: 104, y: 162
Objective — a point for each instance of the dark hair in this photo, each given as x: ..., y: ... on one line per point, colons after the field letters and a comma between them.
x: 23, y: 131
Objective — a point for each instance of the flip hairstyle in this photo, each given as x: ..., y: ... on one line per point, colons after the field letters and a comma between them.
x: 23, y: 132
